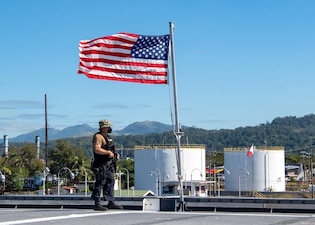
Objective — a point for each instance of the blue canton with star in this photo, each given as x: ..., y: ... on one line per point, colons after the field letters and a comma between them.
x: 151, y: 47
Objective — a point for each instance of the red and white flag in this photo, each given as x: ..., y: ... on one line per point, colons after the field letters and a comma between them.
x: 126, y: 57
x: 250, y: 152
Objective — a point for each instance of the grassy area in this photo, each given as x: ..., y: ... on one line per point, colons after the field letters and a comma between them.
x: 294, y: 189
x: 131, y: 192
x: 296, y: 186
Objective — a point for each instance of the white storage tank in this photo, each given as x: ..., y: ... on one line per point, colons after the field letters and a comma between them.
x: 156, y: 167
x: 263, y: 171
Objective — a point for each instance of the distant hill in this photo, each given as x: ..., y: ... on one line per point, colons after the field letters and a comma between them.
x: 145, y: 127
x: 295, y: 134
x: 83, y: 130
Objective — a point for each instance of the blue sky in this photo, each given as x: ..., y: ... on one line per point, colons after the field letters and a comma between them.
x: 238, y: 63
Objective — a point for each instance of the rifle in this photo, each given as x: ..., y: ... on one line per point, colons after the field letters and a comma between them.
x: 114, y: 160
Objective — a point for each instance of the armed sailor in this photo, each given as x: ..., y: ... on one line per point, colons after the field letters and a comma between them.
x: 103, y: 165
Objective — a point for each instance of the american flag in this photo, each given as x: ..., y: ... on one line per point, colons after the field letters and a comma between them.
x: 126, y: 57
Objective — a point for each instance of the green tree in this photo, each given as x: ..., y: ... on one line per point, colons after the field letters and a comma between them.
x: 129, y: 165
x: 66, y: 155
x: 22, y: 162
x: 34, y: 165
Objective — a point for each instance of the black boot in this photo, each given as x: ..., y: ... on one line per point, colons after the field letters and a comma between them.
x: 99, y: 207
x: 112, y: 205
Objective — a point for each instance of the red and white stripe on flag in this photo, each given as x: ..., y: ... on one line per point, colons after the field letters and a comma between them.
x: 126, y: 57
x: 250, y: 152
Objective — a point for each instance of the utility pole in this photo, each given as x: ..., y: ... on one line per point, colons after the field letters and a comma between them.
x: 46, y: 139
x: 311, y: 169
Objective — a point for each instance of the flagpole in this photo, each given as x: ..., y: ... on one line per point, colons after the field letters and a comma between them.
x: 177, y: 132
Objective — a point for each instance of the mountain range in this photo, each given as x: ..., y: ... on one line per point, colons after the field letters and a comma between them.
x: 83, y: 130
x: 295, y: 134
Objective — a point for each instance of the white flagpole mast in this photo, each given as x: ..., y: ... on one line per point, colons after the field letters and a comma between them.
x: 177, y: 132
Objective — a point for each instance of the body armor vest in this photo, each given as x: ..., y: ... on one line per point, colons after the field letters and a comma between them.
x: 100, y: 160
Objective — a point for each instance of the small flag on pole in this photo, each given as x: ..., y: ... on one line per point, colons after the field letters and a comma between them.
x: 250, y: 151
x: 126, y: 57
